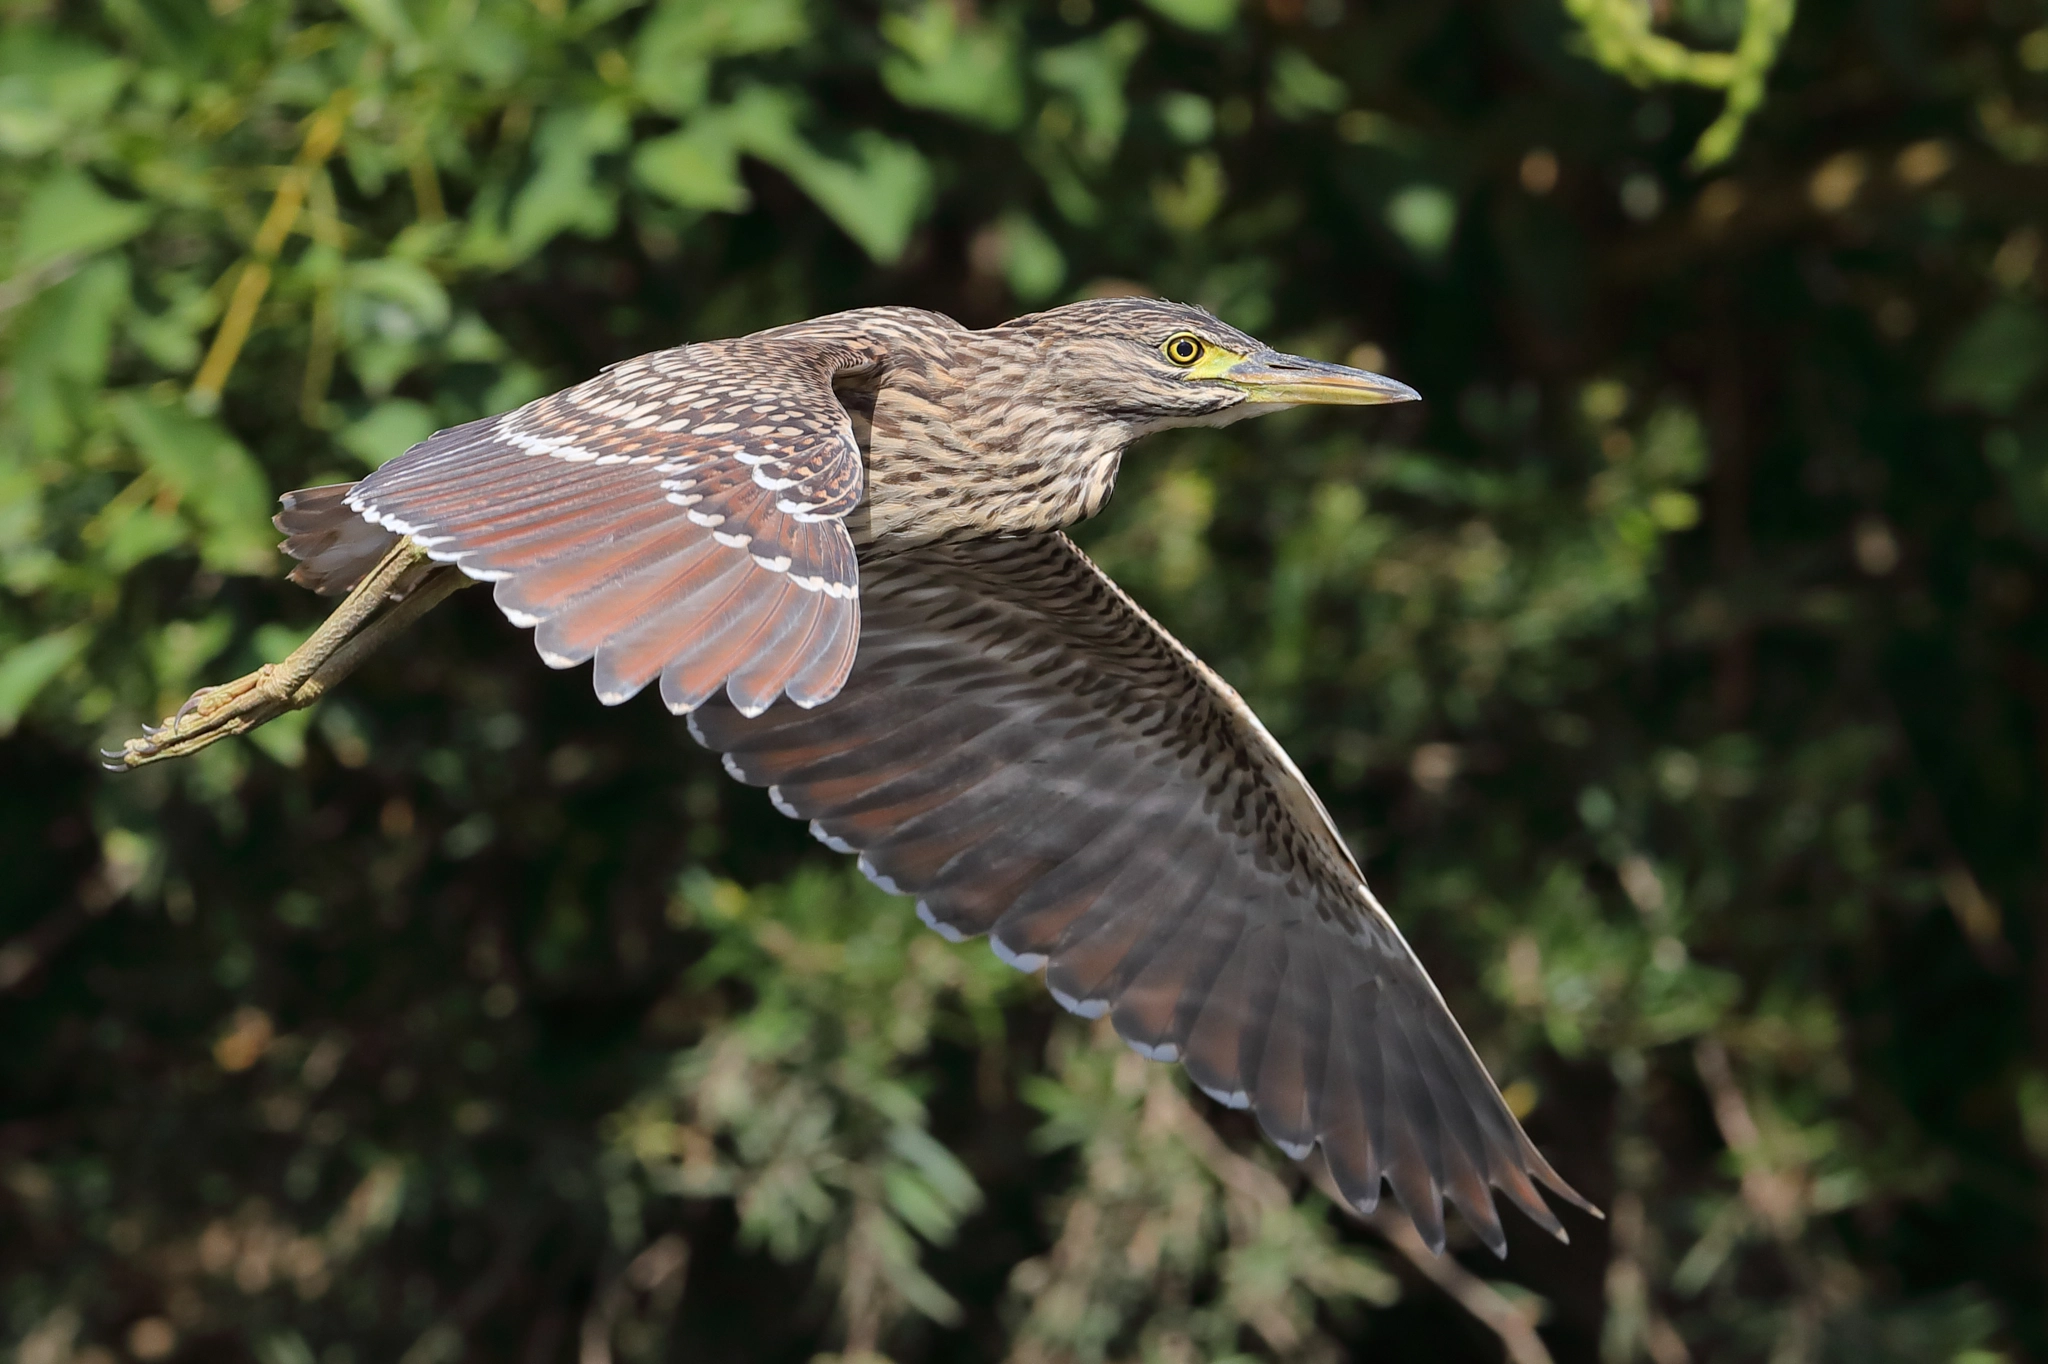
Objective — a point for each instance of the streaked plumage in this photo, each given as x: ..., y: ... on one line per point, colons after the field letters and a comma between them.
x: 862, y: 513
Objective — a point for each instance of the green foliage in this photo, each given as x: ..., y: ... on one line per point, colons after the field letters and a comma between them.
x: 800, y: 1110
x: 1620, y: 35
x: 1678, y: 667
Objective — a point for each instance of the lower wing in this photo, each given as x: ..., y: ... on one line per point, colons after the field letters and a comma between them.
x: 1028, y: 753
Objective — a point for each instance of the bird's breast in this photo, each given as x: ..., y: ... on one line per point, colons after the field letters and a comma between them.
x: 932, y: 475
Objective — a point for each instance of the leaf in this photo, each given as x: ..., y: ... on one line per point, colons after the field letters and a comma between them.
x: 968, y: 70
x: 696, y: 168
x: 134, y: 534
x: 386, y: 19
x: 1423, y: 216
x: 876, y: 198
x: 1206, y: 16
x: 1997, y: 359
x: 672, y: 58
x: 69, y: 215
x: 61, y: 358
x: 1033, y: 265
x: 27, y: 668
x: 388, y: 307
x: 1301, y: 88
x: 215, y: 478
x: 405, y: 283
x: 1093, y: 72
x: 563, y: 193
x: 50, y: 84
x: 388, y: 430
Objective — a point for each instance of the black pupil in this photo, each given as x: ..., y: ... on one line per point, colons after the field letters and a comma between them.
x: 1185, y: 350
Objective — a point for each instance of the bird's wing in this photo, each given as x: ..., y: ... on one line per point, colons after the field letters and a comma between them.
x: 679, y: 516
x: 1035, y: 759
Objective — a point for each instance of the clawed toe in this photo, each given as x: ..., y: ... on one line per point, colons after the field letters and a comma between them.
x: 402, y: 587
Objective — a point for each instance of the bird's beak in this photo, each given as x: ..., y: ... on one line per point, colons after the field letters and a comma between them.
x: 1271, y: 377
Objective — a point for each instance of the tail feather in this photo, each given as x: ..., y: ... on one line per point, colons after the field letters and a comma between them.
x: 334, y: 545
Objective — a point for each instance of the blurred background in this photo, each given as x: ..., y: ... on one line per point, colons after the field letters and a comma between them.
x: 1680, y: 667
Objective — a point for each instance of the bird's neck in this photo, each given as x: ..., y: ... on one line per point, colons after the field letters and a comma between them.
x: 955, y: 446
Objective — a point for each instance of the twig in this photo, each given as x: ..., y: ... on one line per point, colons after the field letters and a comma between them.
x: 323, y: 133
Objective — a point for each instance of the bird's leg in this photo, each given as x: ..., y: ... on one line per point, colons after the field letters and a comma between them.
x: 404, y: 586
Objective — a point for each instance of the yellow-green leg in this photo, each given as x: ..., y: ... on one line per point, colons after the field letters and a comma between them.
x: 404, y: 586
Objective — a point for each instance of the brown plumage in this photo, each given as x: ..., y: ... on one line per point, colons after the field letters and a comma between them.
x: 862, y: 514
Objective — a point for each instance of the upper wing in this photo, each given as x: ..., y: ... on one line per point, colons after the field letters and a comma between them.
x: 1032, y: 756
x: 678, y: 516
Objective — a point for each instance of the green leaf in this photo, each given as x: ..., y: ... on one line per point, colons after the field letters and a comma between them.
x: 64, y: 341
x: 672, y: 58
x: 696, y: 168
x: 138, y: 533
x: 389, y: 307
x: 388, y: 430
x: 967, y: 70
x: 1092, y: 72
x: 405, y: 283
x: 388, y: 20
x: 1424, y: 216
x: 49, y: 85
x: 1206, y: 16
x: 215, y: 478
x: 183, y: 647
x: 1302, y: 89
x: 1997, y: 359
x: 876, y: 198
x: 1190, y: 117
x: 563, y: 193
x: 1033, y: 265
x: 283, y: 740
x: 27, y: 668
x: 69, y: 215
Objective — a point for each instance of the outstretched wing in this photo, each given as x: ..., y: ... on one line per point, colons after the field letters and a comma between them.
x: 1032, y: 756
x: 679, y: 516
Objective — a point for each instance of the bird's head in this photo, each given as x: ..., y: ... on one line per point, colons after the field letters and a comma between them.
x: 1145, y: 365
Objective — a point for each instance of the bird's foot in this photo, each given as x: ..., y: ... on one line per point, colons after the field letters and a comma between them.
x: 214, y: 713
x: 401, y: 589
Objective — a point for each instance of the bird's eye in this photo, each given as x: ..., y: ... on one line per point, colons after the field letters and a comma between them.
x: 1184, y: 349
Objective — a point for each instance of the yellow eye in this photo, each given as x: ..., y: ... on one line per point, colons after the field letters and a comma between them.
x: 1184, y: 349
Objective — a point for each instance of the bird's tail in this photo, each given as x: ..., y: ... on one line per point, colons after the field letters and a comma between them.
x: 334, y: 544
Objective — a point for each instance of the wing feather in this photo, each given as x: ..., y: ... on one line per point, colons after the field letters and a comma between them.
x: 1024, y: 750
x: 651, y: 519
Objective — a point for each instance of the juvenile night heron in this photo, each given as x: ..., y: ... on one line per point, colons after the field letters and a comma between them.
x: 862, y: 513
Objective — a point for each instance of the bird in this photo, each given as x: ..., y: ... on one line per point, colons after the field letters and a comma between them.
x: 839, y: 548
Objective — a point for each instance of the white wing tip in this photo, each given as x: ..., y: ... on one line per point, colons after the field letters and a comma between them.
x: 1165, y: 1051
x: 938, y: 925
x: 830, y: 840
x: 1028, y: 962
x: 867, y: 869
x: 775, y: 799
x: 1086, y: 1008
x: 1235, y: 1098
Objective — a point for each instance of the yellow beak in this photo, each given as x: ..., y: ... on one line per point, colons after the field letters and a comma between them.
x: 1271, y: 377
